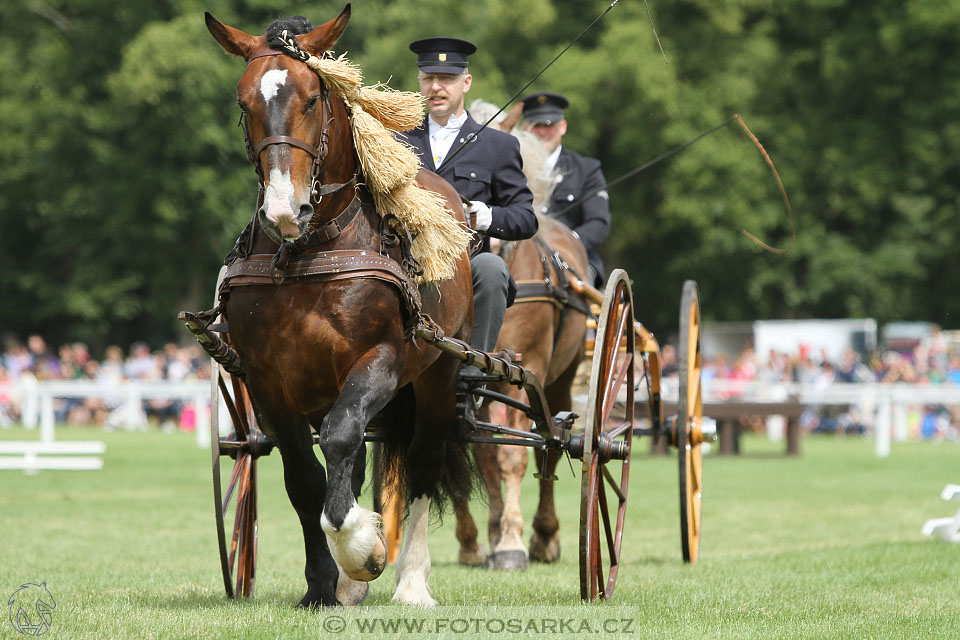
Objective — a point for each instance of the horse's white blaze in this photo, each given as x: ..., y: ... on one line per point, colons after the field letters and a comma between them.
x: 352, y: 544
x: 413, y: 563
x: 271, y: 81
x: 278, y: 202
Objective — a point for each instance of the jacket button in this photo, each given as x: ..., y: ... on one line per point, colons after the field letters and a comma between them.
x: 569, y: 197
x: 473, y: 174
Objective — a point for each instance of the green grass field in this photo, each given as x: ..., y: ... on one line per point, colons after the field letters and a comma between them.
x: 825, y: 545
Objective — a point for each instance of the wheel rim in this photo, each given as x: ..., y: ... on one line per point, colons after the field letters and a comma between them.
x: 607, y: 437
x: 238, y: 558
x: 689, y: 423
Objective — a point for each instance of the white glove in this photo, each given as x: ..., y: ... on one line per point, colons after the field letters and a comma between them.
x: 483, y: 212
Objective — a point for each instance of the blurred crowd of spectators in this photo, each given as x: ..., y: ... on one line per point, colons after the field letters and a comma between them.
x: 34, y: 359
x: 929, y: 362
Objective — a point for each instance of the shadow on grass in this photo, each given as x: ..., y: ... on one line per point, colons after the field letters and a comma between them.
x: 197, y: 601
x: 649, y: 561
x: 752, y: 455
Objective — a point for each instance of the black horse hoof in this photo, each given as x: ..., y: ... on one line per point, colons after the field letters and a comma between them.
x: 316, y: 601
x: 513, y: 560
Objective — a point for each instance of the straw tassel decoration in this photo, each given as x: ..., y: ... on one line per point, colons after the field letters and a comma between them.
x: 390, y: 166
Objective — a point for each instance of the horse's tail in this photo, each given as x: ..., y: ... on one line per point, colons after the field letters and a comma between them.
x: 457, y: 472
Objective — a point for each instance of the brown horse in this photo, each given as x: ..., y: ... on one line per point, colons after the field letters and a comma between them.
x: 332, y: 354
x: 551, y: 339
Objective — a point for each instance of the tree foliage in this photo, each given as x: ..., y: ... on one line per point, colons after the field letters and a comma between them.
x: 123, y: 179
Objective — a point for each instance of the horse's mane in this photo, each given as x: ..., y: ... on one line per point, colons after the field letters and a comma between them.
x: 297, y: 25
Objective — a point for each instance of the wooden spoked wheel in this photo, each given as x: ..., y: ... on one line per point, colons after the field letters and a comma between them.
x: 606, y: 441
x: 238, y: 502
x: 689, y: 423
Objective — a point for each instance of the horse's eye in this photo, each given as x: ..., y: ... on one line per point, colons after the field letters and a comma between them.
x: 312, y: 103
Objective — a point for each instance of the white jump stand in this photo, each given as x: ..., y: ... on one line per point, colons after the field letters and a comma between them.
x: 946, y: 528
x: 47, y: 453
x: 32, y: 456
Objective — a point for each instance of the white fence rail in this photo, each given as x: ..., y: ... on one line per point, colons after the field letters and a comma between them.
x: 128, y: 397
x: 883, y: 408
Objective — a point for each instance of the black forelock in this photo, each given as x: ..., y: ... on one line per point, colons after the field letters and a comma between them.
x: 297, y: 25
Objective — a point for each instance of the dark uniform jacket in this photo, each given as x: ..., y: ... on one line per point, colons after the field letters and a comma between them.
x: 490, y: 169
x: 590, y: 219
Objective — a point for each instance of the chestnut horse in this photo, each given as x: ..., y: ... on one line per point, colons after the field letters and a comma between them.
x: 332, y: 354
x: 550, y: 337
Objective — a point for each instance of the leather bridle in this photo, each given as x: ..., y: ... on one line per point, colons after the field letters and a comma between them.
x: 318, y: 153
x: 292, y: 259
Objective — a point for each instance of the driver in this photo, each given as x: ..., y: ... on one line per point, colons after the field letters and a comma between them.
x: 488, y: 172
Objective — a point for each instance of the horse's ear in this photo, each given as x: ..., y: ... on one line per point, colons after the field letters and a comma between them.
x: 232, y: 40
x: 326, y: 35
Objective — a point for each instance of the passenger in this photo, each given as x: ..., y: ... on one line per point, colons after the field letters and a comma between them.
x: 580, y: 198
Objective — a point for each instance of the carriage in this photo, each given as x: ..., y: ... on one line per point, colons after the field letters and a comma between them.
x: 269, y: 337
x: 603, y: 441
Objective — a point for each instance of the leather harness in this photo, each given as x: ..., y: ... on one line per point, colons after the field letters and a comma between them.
x: 289, y: 262
x: 544, y: 290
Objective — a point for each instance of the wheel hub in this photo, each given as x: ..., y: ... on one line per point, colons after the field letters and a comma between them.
x: 610, y: 449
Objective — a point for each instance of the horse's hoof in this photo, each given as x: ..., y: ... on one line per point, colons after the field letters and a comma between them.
x: 512, y: 560
x: 350, y: 592
x: 314, y: 601
x: 374, y: 565
x: 544, y: 551
x: 472, y: 557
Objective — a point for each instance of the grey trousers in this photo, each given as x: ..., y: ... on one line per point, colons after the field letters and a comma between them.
x: 491, y: 279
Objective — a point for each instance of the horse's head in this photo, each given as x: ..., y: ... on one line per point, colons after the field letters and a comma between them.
x: 287, y: 110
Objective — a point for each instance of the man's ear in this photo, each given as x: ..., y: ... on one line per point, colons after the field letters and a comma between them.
x: 467, y: 81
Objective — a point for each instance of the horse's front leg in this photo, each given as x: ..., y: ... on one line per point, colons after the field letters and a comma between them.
x: 353, y: 533
x: 305, y: 481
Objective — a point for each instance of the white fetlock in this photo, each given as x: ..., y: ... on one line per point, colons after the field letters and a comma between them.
x: 414, y: 592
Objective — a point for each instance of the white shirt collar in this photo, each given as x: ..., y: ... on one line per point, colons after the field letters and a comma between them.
x: 454, y: 123
x: 551, y: 162
x: 443, y: 137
